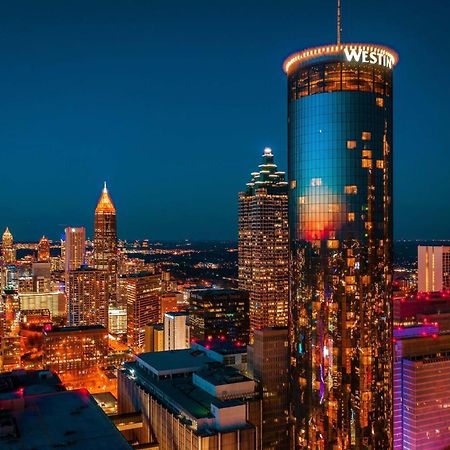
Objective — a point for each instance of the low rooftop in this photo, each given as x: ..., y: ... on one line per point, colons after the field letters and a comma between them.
x: 181, y: 396
x: 220, y: 375
x: 221, y: 346
x: 173, y: 361
x: 19, y: 383
x: 65, y: 419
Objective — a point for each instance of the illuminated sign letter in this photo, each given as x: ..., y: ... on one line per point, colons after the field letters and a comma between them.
x: 353, y: 53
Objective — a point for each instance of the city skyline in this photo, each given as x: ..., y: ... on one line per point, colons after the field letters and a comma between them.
x: 92, y: 104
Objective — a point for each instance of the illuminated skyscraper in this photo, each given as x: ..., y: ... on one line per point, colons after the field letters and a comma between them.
x: 340, y: 216
x: 140, y: 293
x: 74, y: 248
x: 105, y: 241
x: 264, y: 245
x: 43, y: 250
x: 87, y: 297
x: 8, y: 250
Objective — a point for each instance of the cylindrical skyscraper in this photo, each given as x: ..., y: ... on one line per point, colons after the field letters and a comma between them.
x: 340, y: 215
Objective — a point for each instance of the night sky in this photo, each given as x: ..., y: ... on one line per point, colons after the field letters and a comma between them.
x: 173, y: 102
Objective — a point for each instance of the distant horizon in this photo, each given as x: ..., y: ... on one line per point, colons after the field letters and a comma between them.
x: 199, y: 241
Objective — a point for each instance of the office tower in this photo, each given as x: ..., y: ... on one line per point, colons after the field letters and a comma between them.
x: 168, y: 303
x: 43, y: 250
x: 154, y: 337
x: 117, y: 321
x: 9, y: 330
x: 264, y: 245
x: 105, y: 241
x: 176, y: 331
x: 10, y: 277
x: 168, y: 283
x: 74, y: 248
x: 268, y: 363
x: 8, y: 250
x: 87, y: 297
x: 214, y: 313
x: 421, y: 388
x: 141, y: 292
x: 340, y: 216
x: 186, y: 400
x: 433, y: 268
x: 74, y: 349
x: 41, y: 276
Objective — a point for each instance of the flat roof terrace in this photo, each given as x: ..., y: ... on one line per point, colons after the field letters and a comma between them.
x: 64, y: 419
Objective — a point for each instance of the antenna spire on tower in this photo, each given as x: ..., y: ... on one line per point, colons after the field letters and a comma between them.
x: 339, y: 21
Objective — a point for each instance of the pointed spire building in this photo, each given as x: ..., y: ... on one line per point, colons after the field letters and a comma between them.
x: 105, y: 241
x: 8, y: 250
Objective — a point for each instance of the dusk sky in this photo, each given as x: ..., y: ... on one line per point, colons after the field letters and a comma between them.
x: 172, y: 104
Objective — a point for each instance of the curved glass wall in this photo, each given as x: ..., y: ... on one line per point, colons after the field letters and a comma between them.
x: 340, y: 214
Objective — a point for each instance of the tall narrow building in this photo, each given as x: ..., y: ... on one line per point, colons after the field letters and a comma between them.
x: 264, y: 245
x: 74, y: 248
x: 105, y: 241
x: 8, y: 250
x: 340, y: 102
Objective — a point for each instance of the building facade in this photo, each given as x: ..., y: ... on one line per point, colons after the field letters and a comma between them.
x: 74, y: 349
x: 433, y: 268
x: 141, y: 293
x: 421, y: 388
x: 264, y: 245
x: 219, y: 313
x: 268, y: 363
x: 74, y: 248
x: 185, y: 404
x: 176, y: 331
x: 87, y: 297
x: 340, y: 141
x: 105, y: 241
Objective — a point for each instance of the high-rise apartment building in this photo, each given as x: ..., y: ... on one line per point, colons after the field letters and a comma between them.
x: 8, y: 249
x: 268, y: 363
x: 74, y: 248
x: 87, y: 297
x: 217, y: 313
x: 340, y: 144
x: 105, y: 241
x: 43, y: 250
x: 264, y: 245
x: 433, y: 268
x: 141, y: 292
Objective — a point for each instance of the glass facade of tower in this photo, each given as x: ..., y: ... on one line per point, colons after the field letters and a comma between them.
x: 340, y: 215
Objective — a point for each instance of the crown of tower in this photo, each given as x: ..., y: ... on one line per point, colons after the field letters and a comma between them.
x: 7, y: 233
x: 105, y: 203
x: 268, y: 175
